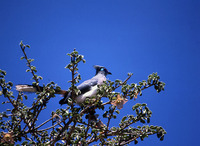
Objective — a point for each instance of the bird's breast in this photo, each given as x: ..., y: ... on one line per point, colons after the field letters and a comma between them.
x: 81, y: 98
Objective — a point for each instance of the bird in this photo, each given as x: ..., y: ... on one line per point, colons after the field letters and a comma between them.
x: 87, y: 89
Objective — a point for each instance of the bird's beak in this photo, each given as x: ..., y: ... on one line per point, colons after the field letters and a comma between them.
x: 110, y: 73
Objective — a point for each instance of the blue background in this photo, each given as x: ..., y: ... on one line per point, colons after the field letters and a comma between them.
x: 138, y: 36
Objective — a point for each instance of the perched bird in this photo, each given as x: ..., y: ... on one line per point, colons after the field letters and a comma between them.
x: 87, y: 89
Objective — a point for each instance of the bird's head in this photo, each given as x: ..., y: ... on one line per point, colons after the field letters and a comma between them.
x: 101, y: 69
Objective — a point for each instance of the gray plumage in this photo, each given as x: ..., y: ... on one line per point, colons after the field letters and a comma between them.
x: 88, y: 88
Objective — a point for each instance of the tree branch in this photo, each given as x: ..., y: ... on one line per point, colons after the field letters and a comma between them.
x: 129, y: 76
x: 46, y: 121
x: 145, y: 87
x: 70, y: 133
x: 29, y: 65
x: 49, y: 127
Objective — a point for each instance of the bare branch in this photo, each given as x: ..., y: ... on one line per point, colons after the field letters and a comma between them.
x: 47, y: 121
x: 49, y: 127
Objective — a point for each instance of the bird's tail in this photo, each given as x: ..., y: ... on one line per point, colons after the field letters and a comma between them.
x: 31, y: 88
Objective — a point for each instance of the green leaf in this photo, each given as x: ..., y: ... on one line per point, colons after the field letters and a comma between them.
x: 130, y: 74
x: 113, y: 129
x: 148, y: 120
x: 26, y: 97
x: 34, y: 83
x: 3, y: 72
x: 117, y: 111
x: 39, y: 77
x: 75, y: 52
x: 28, y: 46
x: 143, y: 104
x: 124, y: 118
x: 69, y: 66
x: 142, y: 121
x: 10, y: 83
x: 135, y: 142
x: 136, y: 106
x: 21, y: 44
x: 33, y: 68
x: 25, y: 143
x: 162, y: 138
x: 22, y: 57
x: 118, y: 81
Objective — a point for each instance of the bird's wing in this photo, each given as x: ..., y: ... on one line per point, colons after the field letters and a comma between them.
x: 84, y: 87
x: 87, y: 85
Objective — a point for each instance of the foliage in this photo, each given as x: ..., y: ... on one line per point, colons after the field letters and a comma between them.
x: 78, y: 125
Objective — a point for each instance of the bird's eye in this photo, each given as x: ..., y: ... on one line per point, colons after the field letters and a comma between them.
x: 102, y: 69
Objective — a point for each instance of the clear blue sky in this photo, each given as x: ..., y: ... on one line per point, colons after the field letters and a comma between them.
x: 138, y: 36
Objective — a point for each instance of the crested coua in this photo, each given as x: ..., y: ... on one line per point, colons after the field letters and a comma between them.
x: 87, y: 89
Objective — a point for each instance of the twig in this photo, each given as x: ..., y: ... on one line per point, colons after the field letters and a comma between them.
x: 18, y: 123
x: 67, y: 124
x: 48, y: 127
x: 126, y: 142
x: 92, y: 137
x: 86, y: 131
x: 61, y: 131
x: 145, y: 87
x: 70, y: 133
x: 16, y: 107
x: 109, y: 118
x: 29, y: 65
x: 24, y: 127
x: 109, y: 134
x: 124, y: 81
x: 108, y: 102
x: 39, y: 110
x: 45, y: 122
